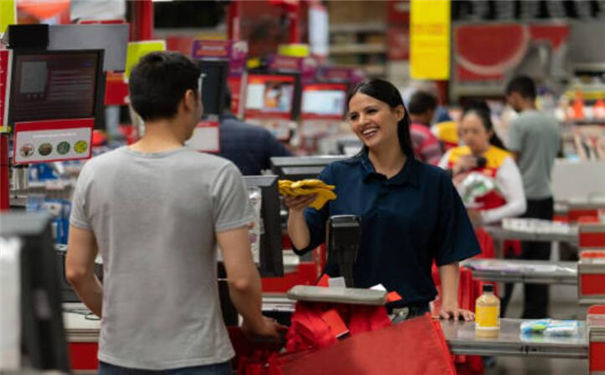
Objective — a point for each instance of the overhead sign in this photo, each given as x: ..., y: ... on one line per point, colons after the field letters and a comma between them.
x: 430, y: 39
x: 236, y: 51
x: 8, y: 14
x: 136, y: 50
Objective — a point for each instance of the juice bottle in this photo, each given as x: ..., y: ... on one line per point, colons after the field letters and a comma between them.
x: 487, y: 313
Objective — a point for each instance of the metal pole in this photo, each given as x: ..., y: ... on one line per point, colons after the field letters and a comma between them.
x: 293, y: 19
x: 233, y: 20
x: 142, y: 20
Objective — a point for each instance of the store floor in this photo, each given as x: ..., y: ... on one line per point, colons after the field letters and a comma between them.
x: 563, y: 305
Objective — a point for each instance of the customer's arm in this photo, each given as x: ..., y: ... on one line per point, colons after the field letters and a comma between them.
x: 511, y: 184
x: 79, y: 268
x: 243, y: 280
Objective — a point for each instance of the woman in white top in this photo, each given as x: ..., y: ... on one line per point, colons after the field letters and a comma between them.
x: 485, y: 174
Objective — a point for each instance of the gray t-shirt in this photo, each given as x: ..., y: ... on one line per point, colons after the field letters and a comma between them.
x: 155, y: 217
x: 535, y: 136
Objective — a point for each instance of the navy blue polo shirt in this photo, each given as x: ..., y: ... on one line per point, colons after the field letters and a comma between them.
x: 249, y: 147
x: 407, y: 221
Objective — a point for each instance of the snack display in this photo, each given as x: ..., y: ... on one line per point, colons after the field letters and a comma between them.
x: 308, y: 186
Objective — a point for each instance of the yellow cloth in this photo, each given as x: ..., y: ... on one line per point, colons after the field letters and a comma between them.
x: 494, y: 156
x: 447, y: 132
x: 306, y: 187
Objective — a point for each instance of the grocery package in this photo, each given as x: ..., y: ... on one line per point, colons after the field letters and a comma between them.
x: 551, y: 327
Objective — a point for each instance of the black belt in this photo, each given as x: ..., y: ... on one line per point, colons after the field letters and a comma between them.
x: 408, y: 311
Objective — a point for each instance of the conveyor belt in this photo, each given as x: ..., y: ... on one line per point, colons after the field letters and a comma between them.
x: 523, y: 271
x: 499, y: 233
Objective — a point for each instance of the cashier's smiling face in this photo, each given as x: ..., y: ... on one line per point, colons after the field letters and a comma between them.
x: 373, y: 121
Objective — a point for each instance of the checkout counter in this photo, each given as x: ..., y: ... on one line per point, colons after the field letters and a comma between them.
x: 82, y: 332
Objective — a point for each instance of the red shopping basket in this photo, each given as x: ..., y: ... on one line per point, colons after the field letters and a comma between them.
x: 415, y: 346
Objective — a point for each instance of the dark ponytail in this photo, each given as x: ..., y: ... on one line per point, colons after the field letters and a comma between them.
x: 484, y: 114
x: 387, y: 93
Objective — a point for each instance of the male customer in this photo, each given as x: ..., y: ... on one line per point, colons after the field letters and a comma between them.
x: 249, y: 147
x: 534, y: 141
x: 427, y: 147
x: 155, y: 211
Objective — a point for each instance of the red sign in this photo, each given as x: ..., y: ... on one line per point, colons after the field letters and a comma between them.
x: 5, y: 56
x: 489, y: 52
x: 116, y: 89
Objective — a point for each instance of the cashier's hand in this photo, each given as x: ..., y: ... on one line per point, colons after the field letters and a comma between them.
x: 299, y: 203
x: 452, y: 311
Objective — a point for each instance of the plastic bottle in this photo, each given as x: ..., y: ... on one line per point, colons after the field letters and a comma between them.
x: 487, y: 313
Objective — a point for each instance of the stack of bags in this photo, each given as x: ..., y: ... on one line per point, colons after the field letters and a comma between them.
x: 307, y: 187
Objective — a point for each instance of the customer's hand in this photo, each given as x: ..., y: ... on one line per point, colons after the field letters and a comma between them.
x: 300, y: 202
x: 266, y: 328
x: 463, y: 164
x: 452, y: 311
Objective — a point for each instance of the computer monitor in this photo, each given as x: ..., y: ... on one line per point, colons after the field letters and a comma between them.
x: 214, y: 84
x: 272, y: 95
x: 271, y: 256
x: 323, y: 101
x: 49, y: 85
x: 301, y: 167
x: 42, y: 333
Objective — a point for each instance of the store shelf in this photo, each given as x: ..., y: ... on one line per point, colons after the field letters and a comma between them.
x: 361, y: 48
x: 375, y: 70
x: 374, y: 27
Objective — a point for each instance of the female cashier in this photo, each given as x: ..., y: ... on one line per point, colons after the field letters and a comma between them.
x: 500, y: 194
x: 411, y: 214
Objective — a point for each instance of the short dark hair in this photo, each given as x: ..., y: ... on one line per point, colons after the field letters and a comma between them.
x: 387, y: 93
x: 523, y: 85
x: 158, y: 83
x: 422, y: 102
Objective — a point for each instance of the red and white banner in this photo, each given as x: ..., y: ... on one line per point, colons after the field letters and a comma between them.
x: 52, y: 140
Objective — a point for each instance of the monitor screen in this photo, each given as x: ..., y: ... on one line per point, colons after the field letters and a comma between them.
x: 43, y: 340
x: 271, y: 255
x: 214, y: 83
x: 48, y: 85
x: 301, y: 167
x: 272, y: 96
x: 324, y: 101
